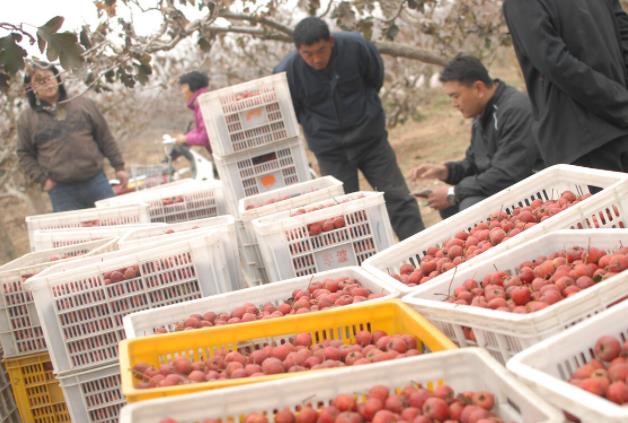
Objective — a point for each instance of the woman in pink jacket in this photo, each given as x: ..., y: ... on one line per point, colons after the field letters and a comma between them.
x: 192, y: 85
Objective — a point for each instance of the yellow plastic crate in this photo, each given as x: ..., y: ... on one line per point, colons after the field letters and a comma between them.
x: 37, y: 393
x: 343, y: 323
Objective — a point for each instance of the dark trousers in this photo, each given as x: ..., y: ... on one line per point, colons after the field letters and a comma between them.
x: 378, y: 164
x: 611, y: 156
x: 80, y: 195
x: 465, y: 203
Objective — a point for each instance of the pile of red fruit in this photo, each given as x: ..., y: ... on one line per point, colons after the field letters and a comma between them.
x: 298, y: 354
x: 122, y: 274
x: 541, y: 282
x: 467, y: 244
x: 607, y: 374
x: 336, y: 202
x: 89, y: 223
x: 246, y: 94
x: 413, y: 404
x: 318, y: 295
x: 171, y: 200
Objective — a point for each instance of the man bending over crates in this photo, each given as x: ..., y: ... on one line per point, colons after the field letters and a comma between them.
x: 334, y: 82
x: 502, y: 150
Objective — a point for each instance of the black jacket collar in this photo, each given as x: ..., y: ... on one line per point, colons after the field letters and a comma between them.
x: 491, y: 106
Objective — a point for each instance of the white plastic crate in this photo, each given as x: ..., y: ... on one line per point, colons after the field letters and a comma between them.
x: 289, y: 250
x: 93, y: 396
x: 610, y: 205
x: 112, y: 216
x: 223, y: 227
x: 249, y: 115
x: 56, y: 238
x: 463, y: 370
x: 20, y: 330
x: 183, y: 200
x: 548, y: 365
x: 263, y: 169
x: 144, y: 323
x: 8, y: 408
x: 81, y: 311
x: 503, y: 333
x: 282, y: 199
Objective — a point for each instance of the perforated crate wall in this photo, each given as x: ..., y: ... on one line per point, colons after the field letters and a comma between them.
x: 249, y: 115
x: 179, y: 201
x: 37, y: 392
x: 20, y: 330
x: 94, y: 396
x: 263, y: 169
x: 81, y: 306
x: 290, y: 248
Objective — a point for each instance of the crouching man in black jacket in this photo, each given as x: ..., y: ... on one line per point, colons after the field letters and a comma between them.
x: 502, y: 149
x: 334, y: 83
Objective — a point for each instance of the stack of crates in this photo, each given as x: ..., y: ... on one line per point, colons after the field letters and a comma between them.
x: 254, y: 136
x: 8, y: 408
x: 80, y: 306
x: 265, y: 204
x: 38, y: 396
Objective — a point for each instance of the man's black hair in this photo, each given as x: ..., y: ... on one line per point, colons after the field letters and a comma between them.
x: 309, y: 31
x: 195, y: 80
x: 30, y: 94
x: 465, y: 69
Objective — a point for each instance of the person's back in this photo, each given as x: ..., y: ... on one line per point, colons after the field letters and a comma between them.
x: 572, y: 54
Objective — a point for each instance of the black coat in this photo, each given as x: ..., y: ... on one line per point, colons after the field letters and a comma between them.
x: 339, y: 107
x: 573, y: 56
x: 502, y: 149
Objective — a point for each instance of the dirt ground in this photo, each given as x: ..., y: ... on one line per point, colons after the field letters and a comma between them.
x: 441, y: 135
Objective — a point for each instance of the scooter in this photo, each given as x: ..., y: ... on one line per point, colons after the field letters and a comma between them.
x: 147, y: 176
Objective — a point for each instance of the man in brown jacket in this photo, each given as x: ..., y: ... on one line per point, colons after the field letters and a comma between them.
x: 62, y: 143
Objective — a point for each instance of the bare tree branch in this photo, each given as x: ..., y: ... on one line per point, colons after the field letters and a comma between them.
x: 409, y: 52
x: 258, y: 20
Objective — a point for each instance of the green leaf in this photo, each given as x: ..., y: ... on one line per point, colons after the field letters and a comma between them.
x: 84, y: 38
x: 345, y: 16
x: 53, y: 25
x: 392, y: 31
x: 204, y: 45
x: 365, y: 26
x: 11, y: 54
x: 41, y: 43
x: 4, y: 81
x: 110, y: 76
x: 125, y: 77
x: 313, y: 6
x: 142, y: 71
x: 66, y: 48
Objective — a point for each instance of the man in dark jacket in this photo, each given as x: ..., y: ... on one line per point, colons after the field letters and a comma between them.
x: 62, y: 143
x: 334, y: 82
x: 502, y: 149
x: 573, y: 57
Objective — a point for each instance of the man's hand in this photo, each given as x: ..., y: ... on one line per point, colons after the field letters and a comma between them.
x: 429, y: 171
x: 438, y: 198
x: 123, y: 177
x: 48, y: 185
x: 180, y: 139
